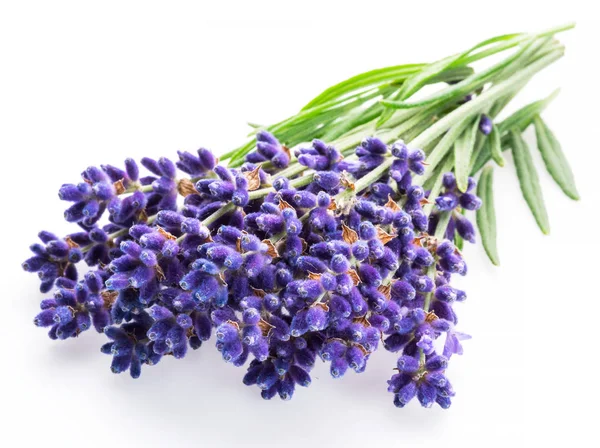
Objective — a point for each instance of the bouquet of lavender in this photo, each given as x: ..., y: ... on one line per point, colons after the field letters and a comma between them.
x: 330, y: 249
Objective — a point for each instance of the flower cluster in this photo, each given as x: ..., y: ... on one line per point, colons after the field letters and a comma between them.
x: 455, y: 201
x: 269, y: 149
x: 281, y: 278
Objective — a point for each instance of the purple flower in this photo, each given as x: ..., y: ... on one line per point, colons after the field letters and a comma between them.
x: 278, y: 280
x: 269, y: 149
x: 485, y: 124
x: 452, y: 345
x: 319, y: 156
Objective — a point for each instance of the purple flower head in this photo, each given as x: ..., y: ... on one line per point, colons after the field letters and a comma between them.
x: 319, y: 156
x: 485, y: 124
x: 452, y: 200
x: 269, y: 149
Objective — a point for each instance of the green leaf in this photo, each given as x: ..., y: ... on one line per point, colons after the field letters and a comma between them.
x: 511, y: 40
x: 351, y: 121
x: 422, y: 77
x: 419, y: 79
x: 478, y: 104
x: 554, y: 158
x: 522, y: 117
x: 500, y: 70
x: 463, y: 149
x: 480, y: 141
x: 450, y: 74
x: 381, y: 75
x: 387, y: 112
x: 496, y: 146
x: 529, y: 181
x: 499, y: 105
x: 444, y: 146
x: 442, y: 225
x: 486, y: 215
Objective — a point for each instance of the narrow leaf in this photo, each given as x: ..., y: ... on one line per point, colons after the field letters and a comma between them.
x: 496, y: 146
x: 420, y: 78
x: 529, y: 181
x: 445, y: 144
x: 522, y: 117
x: 554, y: 158
x: 478, y: 145
x: 387, y: 112
x: 463, y: 149
x: 442, y: 225
x: 502, y: 69
x: 380, y: 75
x: 486, y: 215
x: 450, y: 74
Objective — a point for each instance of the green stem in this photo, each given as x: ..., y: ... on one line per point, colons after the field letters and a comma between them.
x: 218, y: 214
x: 296, y: 183
x: 431, y: 272
x: 437, y: 186
x: 119, y: 233
x: 136, y: 187
x: 215, y: 216
x: 440, y: 231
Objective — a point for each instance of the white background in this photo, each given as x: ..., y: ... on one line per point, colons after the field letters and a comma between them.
x: 85, y: 83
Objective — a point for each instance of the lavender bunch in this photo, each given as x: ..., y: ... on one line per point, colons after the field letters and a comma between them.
x: 286, y: 253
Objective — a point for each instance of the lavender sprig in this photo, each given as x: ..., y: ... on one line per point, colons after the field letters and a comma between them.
x: 289, y: 253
